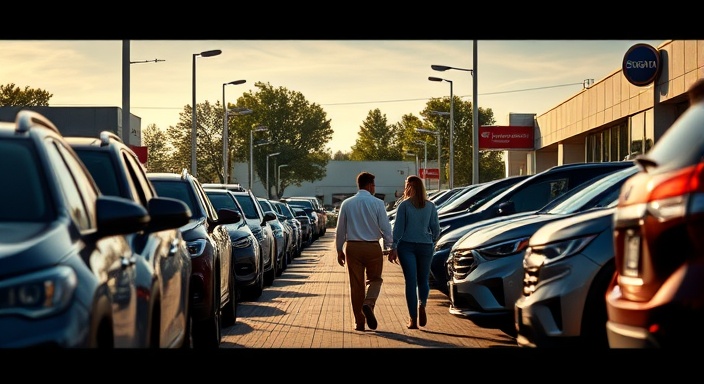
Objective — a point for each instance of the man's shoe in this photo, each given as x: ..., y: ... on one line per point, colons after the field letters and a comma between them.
x: 369, y: 314
x: 422, y: 318
x: 359, y: 328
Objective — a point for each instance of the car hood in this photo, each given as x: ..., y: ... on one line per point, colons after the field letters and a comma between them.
x: 456, y: 234
x: 25, y: 246
x: 581, y: 224
x: 506, y: 230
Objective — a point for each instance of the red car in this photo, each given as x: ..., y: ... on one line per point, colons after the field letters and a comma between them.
x: 656, y: 297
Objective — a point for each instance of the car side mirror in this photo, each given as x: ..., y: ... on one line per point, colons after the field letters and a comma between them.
x: 507, y: 208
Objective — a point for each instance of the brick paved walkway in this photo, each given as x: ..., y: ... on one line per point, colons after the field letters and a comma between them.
x: 308, y: 306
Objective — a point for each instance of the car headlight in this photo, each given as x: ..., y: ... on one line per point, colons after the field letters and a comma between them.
x: 244, y: 242
x: 505, y: 248
x: 562, y: 249
x: 38, y: 294
x: 196, y: 247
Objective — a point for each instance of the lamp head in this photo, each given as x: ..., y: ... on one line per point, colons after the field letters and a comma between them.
x: 439, y: 67
x: 214, y: 52
x: 236, y: 82
x: 432, y: 78
x: 260, y: 128
x: 274, y: 154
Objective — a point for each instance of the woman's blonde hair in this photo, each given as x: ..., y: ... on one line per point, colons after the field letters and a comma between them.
x: 415, y: 190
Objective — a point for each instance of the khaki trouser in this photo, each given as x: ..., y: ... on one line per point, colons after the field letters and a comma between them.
x: 361, y: 257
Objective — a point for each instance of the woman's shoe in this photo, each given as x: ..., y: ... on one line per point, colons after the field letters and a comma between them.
x: 412, y: 324
x: 422, y: 318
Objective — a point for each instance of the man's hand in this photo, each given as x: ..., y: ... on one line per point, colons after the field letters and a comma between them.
x: 341, y: 258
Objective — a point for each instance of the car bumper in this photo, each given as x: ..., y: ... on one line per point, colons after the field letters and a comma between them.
x: 552, y: 314
x: 493, y: 287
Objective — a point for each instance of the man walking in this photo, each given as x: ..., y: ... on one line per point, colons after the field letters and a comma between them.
x: 361, y: 223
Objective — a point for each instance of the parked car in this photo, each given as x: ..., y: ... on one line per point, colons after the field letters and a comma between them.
x: 534, y: 192
x: 282, y: 235
x: 466, y: 202
x: 487, y: 263
x: 246, y: 253
x: 656, y: 297
x: 284, y: 209
x: 258, y: 223
x: 213, y: 290
x: 313, y: 203
x: 67, y: 271
x: 162, y: 258
x: 567, y: 268
x: 306, y: 225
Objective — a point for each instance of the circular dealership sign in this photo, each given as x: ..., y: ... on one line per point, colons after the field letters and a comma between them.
x: 641, y: 64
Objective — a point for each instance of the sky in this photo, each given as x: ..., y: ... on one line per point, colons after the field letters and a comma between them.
x: 347, y: 78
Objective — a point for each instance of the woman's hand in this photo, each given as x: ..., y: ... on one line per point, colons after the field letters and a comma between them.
x: 393, y: 256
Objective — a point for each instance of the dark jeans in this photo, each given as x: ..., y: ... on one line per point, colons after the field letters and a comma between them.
x: 415, y: 261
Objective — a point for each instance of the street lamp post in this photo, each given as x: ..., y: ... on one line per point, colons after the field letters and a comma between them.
x: 260, y: 128
x: 425, y: 160
x: 452, y: 130
x: 278, y: 177
x: 268, y: 193
x: 475, y: 113
x: 437, y: 137
x: 194, y: 132
x: 225, y: 133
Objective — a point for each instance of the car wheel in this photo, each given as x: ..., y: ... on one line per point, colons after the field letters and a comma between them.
x: 229, y: 311
x: 593, y: 330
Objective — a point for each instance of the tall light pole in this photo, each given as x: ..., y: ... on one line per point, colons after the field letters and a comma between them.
x: 425, y: 160
x: 278, y: 177
x: 437, y: 137
x: 225, y: 133
x: 268, y: 193
x: 194, y: 132
x: 126, y: 130
x: 475, y: 113
x: 452, y: 130
x: 259, y: 128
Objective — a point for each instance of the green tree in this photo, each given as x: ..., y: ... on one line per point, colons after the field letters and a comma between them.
x: 208, y: 144
x: 341, y: 156
x: 159, y: 150
x: 377, y: 139
x: 13, y: 96
x: 297, y: 129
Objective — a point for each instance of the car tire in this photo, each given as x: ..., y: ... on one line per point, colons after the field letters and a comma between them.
x: 594, y: 316
x: 270, y: 275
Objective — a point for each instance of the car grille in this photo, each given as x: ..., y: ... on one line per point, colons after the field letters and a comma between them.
x: 462, y: 263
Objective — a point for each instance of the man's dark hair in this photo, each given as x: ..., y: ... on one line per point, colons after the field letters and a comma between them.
x: 364, y: 179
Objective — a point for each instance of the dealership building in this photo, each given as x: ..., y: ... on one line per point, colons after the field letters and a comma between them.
x: 611, y: 119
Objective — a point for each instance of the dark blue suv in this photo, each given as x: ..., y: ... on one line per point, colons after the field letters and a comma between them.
x: 67, y: 271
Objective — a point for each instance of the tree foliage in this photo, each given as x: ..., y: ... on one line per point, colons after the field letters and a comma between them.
x: 159, y: 150
x: 377, y: 139
x: 297, y: 129
x: 13, y: 96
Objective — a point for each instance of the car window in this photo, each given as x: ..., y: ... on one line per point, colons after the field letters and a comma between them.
x: 250, y: 211
x: 100, y: 166
x: 177, y: 190
x: 75, y: 185
x: 26, y: 200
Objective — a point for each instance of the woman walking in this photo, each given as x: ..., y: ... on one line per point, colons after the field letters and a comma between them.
x: 415, y: 230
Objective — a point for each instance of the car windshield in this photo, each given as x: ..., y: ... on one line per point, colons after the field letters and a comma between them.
x: 250, y: 211
x: 25, y: 197
x: 177, y: 190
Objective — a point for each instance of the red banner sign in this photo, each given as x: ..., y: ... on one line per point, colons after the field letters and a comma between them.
x: 506, y: 137
x: 429, y: 173
x: 142, y: 153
